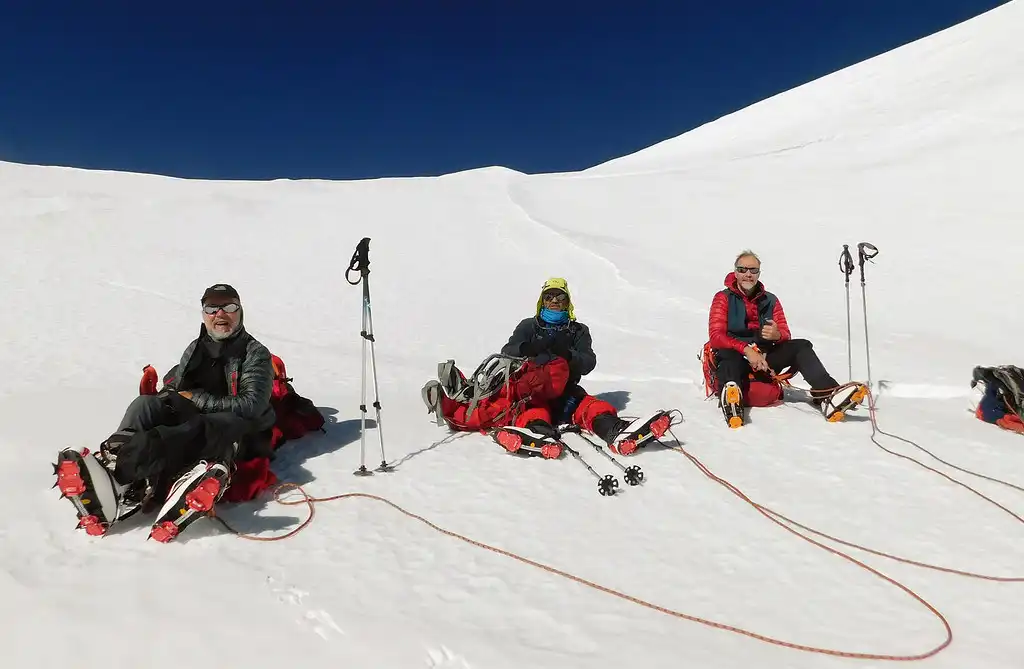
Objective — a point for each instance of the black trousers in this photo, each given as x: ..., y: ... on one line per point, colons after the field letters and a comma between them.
x: 798, y: 353
x: 171, y: 436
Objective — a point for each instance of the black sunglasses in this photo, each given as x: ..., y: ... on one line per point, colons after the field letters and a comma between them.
x: 214, y: 308
x: 750, y: 270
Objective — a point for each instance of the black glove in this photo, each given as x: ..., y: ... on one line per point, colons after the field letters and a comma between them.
x: 183, y: 409
x: 533, y: 348
x: 560, y: 346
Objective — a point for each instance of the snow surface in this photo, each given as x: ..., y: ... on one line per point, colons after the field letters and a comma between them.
x: 916, y: 151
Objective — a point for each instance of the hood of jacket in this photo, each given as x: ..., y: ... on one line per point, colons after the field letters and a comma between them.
x: 560, y: 284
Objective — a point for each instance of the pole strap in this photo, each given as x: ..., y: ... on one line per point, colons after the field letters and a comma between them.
x: 846, y: 262
x: 866, y: 252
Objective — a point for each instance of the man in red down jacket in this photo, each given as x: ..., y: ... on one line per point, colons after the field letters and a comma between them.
x: 749, y: 334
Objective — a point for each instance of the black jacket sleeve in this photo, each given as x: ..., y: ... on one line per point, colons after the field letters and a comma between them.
x: 521, y: 335
x: 583, y: 360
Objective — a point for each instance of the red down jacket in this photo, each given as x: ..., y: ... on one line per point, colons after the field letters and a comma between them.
x: 740, y: 331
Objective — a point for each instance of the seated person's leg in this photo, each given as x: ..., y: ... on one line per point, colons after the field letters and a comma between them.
x: 145, y: 412
x: 543, y: 383
x: 537, y: 419
x: 800, y: 354
x: 731, y: 366
x: 224, y: 434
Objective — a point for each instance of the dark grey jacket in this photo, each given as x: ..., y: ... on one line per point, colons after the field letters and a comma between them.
x: 250, y: 380
x: 575, y: 336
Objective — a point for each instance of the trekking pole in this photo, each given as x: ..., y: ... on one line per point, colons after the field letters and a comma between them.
x: 633, y: 475
x: 866, y: 256
x: 846, y: 267
x: 361, y: 263
x: 606, y: 485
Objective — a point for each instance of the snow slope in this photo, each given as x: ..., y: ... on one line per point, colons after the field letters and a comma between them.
x: 914, y: 151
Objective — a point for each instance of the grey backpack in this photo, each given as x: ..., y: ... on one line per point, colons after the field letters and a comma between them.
x: 1008, y: 381
x: 486, y: 381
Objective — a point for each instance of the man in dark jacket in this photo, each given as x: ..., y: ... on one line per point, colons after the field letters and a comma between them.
x: 749, y: 336
x: 214, y: 409
x: 545, y: 391
x: 225, y: 369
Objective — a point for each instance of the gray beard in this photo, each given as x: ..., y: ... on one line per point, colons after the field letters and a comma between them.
x: 218, y: 336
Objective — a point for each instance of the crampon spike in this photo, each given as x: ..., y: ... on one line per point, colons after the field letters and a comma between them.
x: 92, y: 525
x: 624, y: 447
x: 551, y: 451
x: 661, y: 426
x: 164, y: 532
x: 203, y: 497
x: 510, y: 441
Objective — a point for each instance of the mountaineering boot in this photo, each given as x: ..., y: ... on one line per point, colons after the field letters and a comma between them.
x: 112, y: 446
x: 607, y: 426
x: 623, y: 437
x: 731, y: 402
x: 190, y: 498
x: 836, y: 404
x: 537, y: 438
x: 91, y: 487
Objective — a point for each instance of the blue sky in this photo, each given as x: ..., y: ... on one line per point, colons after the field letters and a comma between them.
x: 360, y: 89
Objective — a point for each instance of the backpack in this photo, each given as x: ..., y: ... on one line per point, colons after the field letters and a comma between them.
x: 488, y: 379
x: 760, y: 393
x: 296, y: 415
x: 488, y: 389
x: 1002, y: 396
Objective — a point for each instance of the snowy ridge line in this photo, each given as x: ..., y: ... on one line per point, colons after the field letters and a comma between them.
x: 568, y: 238
x: 311, y: 501
x: 564, y: 237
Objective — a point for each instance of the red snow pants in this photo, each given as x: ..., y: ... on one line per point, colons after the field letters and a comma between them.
x: 527, y: 397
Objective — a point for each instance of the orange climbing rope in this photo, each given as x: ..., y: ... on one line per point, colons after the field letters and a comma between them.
x: 311, y: 501
x: 779, y: 519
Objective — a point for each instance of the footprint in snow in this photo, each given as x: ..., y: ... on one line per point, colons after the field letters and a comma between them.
x: 442, y: 658
x: 319, y: 620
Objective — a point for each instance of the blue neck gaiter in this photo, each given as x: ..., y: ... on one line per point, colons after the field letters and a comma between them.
x: 554, y: 317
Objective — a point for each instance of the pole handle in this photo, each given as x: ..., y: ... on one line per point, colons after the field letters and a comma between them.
x: 865, y: 255
x: 360, y: 261
x: 846, y: 262
x: 869, y: 254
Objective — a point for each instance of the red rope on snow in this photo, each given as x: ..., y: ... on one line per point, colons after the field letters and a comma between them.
x: 779, y: 519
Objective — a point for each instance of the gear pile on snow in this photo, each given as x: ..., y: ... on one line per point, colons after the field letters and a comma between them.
x: 1001, y: 396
